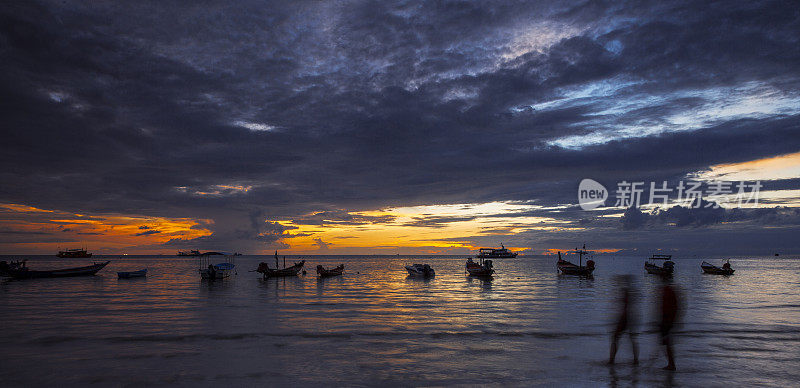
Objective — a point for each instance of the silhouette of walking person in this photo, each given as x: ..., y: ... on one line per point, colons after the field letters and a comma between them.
x: 625, y: 322
x: 669, y: 315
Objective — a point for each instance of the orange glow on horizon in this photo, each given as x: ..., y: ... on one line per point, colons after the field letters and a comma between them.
x: 433, y: 229
x: 106, y: 233
x: 785, y: 166
x: 23, y: 208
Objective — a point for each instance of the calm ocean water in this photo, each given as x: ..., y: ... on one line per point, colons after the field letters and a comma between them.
x: 374, y: 326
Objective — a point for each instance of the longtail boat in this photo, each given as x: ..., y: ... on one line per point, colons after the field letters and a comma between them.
x: 132, y: 274
x: 568, y: 268
x: 714, y: 270
x: 268, y: 272
x: 21, y: 271
x: 483, y: 268
x: 336, y: 271
x: 77, y: 253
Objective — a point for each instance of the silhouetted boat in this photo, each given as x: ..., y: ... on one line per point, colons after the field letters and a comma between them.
x: 19, y: 270
x: 288, y: 271
x: 5, y: 267
x: 667, y: 267
x: 132, y: 274
x: 568, y: 268
x: 494, y: 253
x: 217, y: 271
x: 220, y: 270
x: 483, y: 268
x: 336, y: 271
x: 268, y: 272
x: 76, y: 253
x: 714, y: 270
x: 420, y: 270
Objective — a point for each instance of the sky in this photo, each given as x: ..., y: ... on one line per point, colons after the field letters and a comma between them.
x: 380, y: 127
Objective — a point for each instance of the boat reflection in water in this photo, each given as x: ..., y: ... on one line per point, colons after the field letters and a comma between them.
x: 132, y: 274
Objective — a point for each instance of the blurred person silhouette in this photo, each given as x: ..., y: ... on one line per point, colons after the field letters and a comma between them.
x: 670, y: 304
x: 625, y: 320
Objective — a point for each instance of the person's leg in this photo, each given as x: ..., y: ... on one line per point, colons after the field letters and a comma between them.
x: 614, y: 340
x: 666, y: 339
x: 670, y: 356
x: 635, y: 348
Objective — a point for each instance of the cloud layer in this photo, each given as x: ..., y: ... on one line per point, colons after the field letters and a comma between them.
x: 257, y: 112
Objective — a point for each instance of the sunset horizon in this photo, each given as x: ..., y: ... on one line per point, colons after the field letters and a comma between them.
x: 399, y: 193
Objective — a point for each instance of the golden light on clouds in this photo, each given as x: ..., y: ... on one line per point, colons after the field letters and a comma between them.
x: 432, y: 229
x: 778, y: 167
x: 23, y: 208
x: 28, y: 229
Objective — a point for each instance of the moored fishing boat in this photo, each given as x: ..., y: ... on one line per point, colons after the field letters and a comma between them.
x: 212, y: 271
x: 336, y: 271
x: 666, y: 268
x: 132, y: 274
x: 483, y: 268
x: 268, y: 272
x: 5, y: 267
x: 420, y: 270
x: 20, y: 270
x: 77, y: 253
x: 568, y: 268
x: 714, y: 270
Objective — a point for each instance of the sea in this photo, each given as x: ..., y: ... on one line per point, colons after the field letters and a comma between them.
x: 374, y: 326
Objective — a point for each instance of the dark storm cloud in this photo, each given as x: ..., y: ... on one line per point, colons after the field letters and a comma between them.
x: 706, y: 215
x: 297, y: 110
x: 147, y: 232
x: 341, y: 217
x: 322, y: 245
x: 24, y: 232
x: 436, y: 221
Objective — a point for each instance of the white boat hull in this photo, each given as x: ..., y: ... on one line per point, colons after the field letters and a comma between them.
x: 420, y: 271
